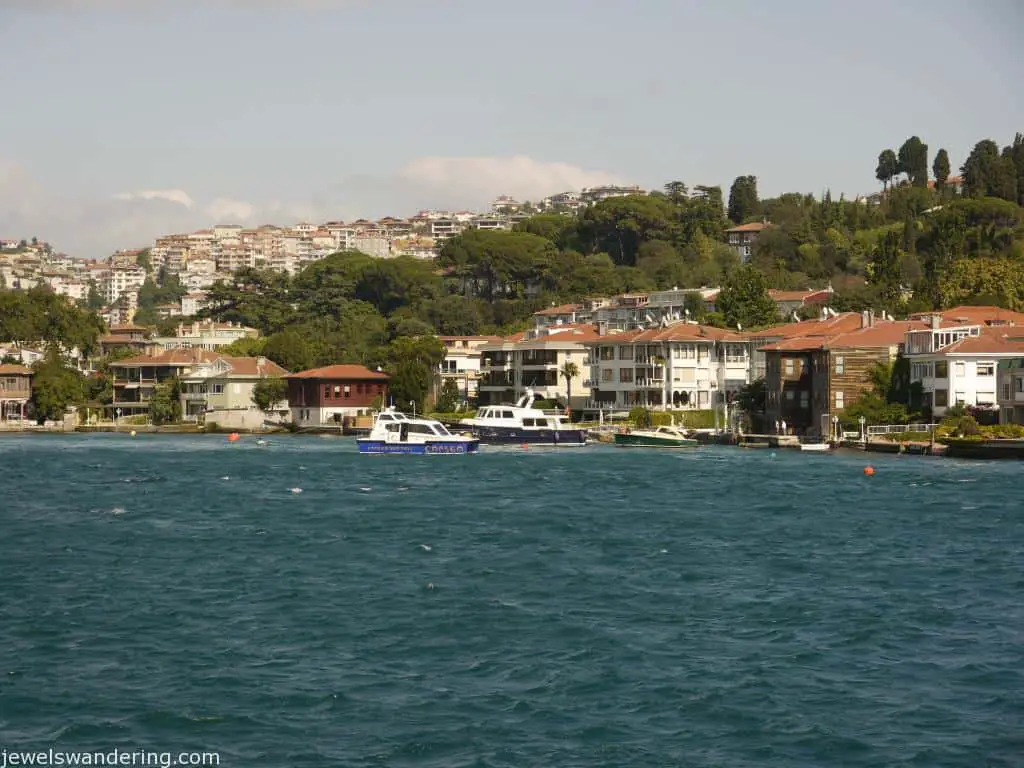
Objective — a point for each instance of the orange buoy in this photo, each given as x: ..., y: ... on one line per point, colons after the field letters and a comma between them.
x: 869, y: 470
x: 526, y: 446
x: 233, y: 437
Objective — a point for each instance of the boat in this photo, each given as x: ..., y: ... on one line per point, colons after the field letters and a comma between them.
x: 817, y: 447
x: 395, y: 432
x: 522, y: 424
x: 658, y: 437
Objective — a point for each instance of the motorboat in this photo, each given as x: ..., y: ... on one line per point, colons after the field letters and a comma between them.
x: 657, y: 437
x: 522, y: 424
x: 815, y: 447
x: 395, y: 432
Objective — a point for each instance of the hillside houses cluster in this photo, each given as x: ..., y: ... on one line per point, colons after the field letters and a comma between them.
x: 201, y: 258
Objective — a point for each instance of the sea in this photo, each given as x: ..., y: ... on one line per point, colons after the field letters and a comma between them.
x: 297, y: 604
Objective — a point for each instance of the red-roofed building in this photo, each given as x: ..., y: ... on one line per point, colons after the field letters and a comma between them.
x: 461, y: 362
x: 221, y: 390
x: 954, y: 354
x: 328, y: 396
x: 810, y: 379
x: 681, y: 365
x: 135, y: 379
x: 743, y: 237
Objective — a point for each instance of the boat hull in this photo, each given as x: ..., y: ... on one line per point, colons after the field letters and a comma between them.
x: 566, y: 438
x: 368, y: 445
x: 645, y: 441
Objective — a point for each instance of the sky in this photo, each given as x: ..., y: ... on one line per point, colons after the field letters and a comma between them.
x: 121, y: 120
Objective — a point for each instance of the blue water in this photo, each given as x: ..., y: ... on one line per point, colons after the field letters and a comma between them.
x: 588, y: 607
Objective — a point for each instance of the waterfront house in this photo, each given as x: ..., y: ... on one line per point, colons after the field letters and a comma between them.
x: 954, y: 354
x: 220, y: 390
x: 15, y: 391
x: 533, y: 360
x: 135, y: 379
x: 681, y: 365
x: 327, y: 396
x: 811, y: 379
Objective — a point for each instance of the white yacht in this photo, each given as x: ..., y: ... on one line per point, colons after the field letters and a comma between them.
x: 394, y: 432
x: 523, y: 424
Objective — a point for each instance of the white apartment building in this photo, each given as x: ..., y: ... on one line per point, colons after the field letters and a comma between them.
x: 534, y: 361
x: 120, y: 280
x: 462, y: 361
x: 191, y: 303
x: 207, y: 335
x: 682, y: 366
x: 956, y: 355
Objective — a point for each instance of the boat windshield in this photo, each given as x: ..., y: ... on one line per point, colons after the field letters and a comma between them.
x: 441, y: 429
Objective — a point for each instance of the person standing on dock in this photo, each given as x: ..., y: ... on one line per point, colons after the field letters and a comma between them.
x: 777, y: 427
x: 783, y: 432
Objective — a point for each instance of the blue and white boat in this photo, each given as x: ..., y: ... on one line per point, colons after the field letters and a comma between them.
x: 394, y: 432
x: 522, y: 424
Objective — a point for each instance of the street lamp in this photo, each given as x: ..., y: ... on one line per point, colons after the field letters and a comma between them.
x: 863, y: 432
x: 413, y: 404
x: 835, y: 428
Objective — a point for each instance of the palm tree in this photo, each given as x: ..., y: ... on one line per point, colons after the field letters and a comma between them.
x: 569, y: 371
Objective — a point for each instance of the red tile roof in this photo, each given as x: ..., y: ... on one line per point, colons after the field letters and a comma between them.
x: 353, y: 372
x: 13, y: 369
x: 564, y: 309
x: 254, y: 366
x: 841, y: 323
x: 170, y: 357
x: 971, y: 315
x: 884, y: 333
x: 755, y: 226
x: 675, y: 332
x: 994, y: 340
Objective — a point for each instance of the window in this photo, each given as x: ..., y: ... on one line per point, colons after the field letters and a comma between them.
x: 959, y: 368
x: 607, y: 374
x: 941, y: 398
x: 348, y: 390
x: 790, y: 394
x: 941, y: 369
x: 218, y: 389
x: 1005, y: 391
x: 839, y: 401
x: 805, y: 399
x: 236, y: 388
x: 607, y: 353
x: 625, y: 353
x: 1020, y: 384
x: 337, y: 390
x: 789, y: 367
x: 735, y: 353
x: 840, y: 365
x: 625, y: 375
x: 986, y: 369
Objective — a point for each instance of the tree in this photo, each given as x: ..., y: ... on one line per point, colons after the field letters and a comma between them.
x: 743, y: 202
x: 884, y: 270
x: 887, y: 168
x: 676, y: 192
x: 269, y: 391
x: 569, y: 371
x: 449, y: 398
x: 165, y: 404
x: 412, y: 364
x: 987, y: 173
x: 55, y: 388
x: 744, y: 300
x: 940, y: 169
x: 752, y: 401
x: 95, y: 300
x: 912, y: 159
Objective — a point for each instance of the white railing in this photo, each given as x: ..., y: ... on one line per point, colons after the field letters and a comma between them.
x: 891, y: 429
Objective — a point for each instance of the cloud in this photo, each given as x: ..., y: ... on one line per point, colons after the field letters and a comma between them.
x: 95, y: 225
x: 520, y: 176
x: 170, y: 195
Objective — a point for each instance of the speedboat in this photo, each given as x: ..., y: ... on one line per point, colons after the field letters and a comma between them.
x: 659, y: 437
x: 522, y: 424
x: 394, y: 432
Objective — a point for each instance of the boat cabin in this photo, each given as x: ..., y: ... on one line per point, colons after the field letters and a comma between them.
x: 400, y: 424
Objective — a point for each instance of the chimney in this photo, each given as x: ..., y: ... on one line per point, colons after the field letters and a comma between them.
x: 936, y: 321
x: 864, y: 321
x: 261, y: 361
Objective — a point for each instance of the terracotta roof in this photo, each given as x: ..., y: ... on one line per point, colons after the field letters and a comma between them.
x: 755, y: 226
x: 571, y: 334
x: 676, y: 332
x: 796, y: 295
x: 841, y: 323
x: 563, y: 309
x: 254, y: 366
x: 884, y: 333
x: 992, y: 341
x: 469, y: 338
x: 13, y: 369
x: 340, y: 372
x: 971, y: 315
x: 170, y: 357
